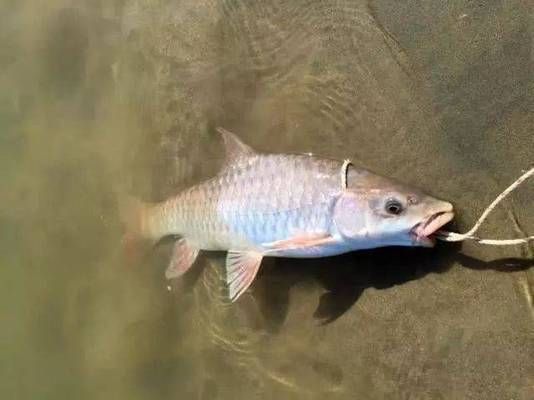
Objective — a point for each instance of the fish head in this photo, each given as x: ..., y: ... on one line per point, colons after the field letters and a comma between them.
x: 375, y: 211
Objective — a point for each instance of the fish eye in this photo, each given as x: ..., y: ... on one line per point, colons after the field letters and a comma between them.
x: 393, y: 206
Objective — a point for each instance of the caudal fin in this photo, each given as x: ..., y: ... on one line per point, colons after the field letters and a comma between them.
x: 133, y: 214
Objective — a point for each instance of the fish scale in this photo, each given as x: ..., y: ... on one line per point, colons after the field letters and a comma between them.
x: 249, y: 203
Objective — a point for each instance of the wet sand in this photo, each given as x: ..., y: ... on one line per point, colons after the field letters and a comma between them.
x: 437, y: 94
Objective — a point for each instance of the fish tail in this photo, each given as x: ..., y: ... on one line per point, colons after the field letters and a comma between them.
x: 134, y: 215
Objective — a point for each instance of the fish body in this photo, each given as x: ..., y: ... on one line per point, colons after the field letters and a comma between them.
x: 256, y: 201
x: 288, y: 205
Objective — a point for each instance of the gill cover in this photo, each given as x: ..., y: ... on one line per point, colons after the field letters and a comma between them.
x: 349, y: 217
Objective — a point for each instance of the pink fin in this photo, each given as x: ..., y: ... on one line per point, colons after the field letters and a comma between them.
x: 132, y: 248
x: 132, y: 214
x: 241, y: 269
x: 300, y: 242
x: 183, y: 257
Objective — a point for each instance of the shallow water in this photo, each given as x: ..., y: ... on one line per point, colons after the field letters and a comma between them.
x: 96, y: 96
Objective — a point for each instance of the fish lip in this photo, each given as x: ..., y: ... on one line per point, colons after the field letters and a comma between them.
x: 421, y: 233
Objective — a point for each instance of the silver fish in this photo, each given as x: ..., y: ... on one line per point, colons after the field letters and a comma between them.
x: 283, y: 205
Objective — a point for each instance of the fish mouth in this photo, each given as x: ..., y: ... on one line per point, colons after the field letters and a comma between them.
x: 421, y: 233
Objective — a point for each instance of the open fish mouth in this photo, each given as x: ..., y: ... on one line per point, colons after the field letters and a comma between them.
x: 422, y: 232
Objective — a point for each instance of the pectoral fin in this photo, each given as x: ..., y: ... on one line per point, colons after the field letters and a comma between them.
x: 241, y: 268
x: 183, y: 257
x: 301, y: 242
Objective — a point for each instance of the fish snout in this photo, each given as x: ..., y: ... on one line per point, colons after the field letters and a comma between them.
x: 446, y: 207
x: 441, y: 213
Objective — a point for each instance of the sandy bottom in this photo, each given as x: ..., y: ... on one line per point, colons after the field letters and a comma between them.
x: 126, y: 94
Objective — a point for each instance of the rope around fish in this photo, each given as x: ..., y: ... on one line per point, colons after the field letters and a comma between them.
x: 469, y: 235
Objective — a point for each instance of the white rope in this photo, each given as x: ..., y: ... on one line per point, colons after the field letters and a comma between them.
x: 344, y: 168
x: 469, y: 235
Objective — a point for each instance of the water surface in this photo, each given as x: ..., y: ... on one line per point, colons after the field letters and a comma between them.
x: 96, y: 96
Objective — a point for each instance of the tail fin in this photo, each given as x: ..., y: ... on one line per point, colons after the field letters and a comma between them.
x: 133, y: 215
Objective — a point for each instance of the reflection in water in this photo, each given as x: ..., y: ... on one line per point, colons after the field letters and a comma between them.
x: 97, y: 96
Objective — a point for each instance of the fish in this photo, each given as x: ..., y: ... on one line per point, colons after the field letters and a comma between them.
x: 285, y: 205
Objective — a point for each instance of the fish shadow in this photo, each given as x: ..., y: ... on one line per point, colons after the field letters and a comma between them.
x: 344, y: 278
x: 507, y: 264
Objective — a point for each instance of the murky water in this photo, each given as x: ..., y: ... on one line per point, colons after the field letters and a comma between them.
x: 96, y: 96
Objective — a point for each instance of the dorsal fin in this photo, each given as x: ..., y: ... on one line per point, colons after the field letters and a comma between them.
x: 235, y: 148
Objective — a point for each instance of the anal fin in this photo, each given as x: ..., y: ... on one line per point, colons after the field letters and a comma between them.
x: 183, y: 257
x: 241, y: 269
